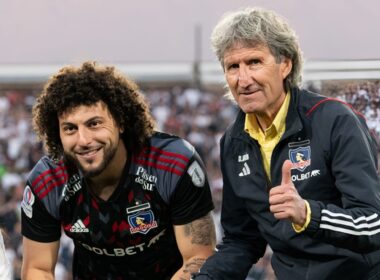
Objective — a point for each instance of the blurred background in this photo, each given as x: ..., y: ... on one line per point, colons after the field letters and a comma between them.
x: 164, y: 46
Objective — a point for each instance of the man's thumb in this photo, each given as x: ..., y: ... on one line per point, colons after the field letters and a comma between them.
x: 286, y: 172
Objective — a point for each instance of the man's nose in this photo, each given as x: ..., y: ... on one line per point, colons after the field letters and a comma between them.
x: 84, y: 137
x: 244, y: 78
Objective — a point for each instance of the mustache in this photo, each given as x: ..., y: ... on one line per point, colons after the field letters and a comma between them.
x: 250, y: 89
x: 87, y: 149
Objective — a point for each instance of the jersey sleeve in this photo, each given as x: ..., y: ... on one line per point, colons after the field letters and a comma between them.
x: 39, y: 221
x: 36, y: 223
x: 192, y: 197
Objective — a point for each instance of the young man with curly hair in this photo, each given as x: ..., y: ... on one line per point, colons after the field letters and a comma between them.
x: 136, y: 202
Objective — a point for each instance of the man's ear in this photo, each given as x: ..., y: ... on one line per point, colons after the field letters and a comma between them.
x: 286, y: 67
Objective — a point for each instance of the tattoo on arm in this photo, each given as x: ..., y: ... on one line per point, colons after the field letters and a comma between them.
x: 202, y: 231
x: 191, y: 267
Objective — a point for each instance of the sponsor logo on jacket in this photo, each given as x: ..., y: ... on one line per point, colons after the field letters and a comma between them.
x: 307, y: 175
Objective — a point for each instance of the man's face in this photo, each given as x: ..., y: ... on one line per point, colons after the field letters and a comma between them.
x: 90, y: 137
x: 256, y: 79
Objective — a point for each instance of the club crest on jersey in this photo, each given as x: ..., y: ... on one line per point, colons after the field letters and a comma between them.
x: 27, y: 202
x: 300, y: 157
x: 142, y: 222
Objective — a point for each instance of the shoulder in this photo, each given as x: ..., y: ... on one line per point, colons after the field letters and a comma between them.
x: 47, y: 174
x: 164, y: 154
x: 171, y: 145
x: 313, y: 105
x: 45, y: 183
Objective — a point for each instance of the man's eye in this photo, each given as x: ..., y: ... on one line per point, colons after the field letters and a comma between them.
x: 233, y: 66
x: 254, y: 61
x: 69, y: 129
x: 94, y: 124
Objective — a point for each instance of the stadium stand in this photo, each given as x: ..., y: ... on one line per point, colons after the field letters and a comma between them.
x: 200, y: 116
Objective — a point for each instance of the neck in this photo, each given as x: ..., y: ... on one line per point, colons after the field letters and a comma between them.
x: 266, y: 118
x: 264, y: 121
x: 105, y: 183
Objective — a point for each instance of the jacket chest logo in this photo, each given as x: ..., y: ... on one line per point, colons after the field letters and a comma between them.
x: 300, y: 157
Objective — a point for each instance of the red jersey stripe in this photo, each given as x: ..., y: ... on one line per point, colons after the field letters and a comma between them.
x: 334, y: 99
x: 51, y: 186
x: 48, y: 172
x: 159, y: 166
x: 170, y: 154
x: 163, y: 160
x: 46, y: 180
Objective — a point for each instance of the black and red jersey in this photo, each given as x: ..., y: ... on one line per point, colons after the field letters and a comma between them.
x: 131, y: 235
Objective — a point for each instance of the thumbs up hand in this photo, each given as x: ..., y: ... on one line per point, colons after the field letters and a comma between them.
x: 284, y: 200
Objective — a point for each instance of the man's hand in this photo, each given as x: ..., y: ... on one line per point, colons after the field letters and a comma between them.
x: 284, y: 200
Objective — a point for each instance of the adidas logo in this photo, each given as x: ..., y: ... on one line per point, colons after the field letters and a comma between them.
x: 246, y: 171
x: 79, y: 227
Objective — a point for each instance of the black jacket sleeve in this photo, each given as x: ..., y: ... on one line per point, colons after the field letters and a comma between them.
x: 355, y: 225
x: 242, y: 243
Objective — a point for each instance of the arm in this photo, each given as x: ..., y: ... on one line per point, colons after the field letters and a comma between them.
x: 39, y: 259
x: 41, y: 230
x: 190, y: 207
x: 354, y: 223
x: 196, y: 242
x: 242, y: 244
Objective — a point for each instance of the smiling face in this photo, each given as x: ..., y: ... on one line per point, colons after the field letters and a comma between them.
x: 256, y: 79
x: 91, y: 138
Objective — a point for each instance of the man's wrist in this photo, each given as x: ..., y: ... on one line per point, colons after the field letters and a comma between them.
x: 299, y: 228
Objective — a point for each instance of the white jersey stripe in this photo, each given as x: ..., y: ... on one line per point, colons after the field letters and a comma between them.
x: 351, y: 224
x: 353, y: 232
x: 362, y: 218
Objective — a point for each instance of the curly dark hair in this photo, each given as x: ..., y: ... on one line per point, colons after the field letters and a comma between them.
x: 87, y: 85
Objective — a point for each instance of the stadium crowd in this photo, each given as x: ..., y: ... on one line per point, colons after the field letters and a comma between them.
x: 200, y: 116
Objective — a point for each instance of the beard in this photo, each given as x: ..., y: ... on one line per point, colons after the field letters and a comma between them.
x: 109, y: 154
